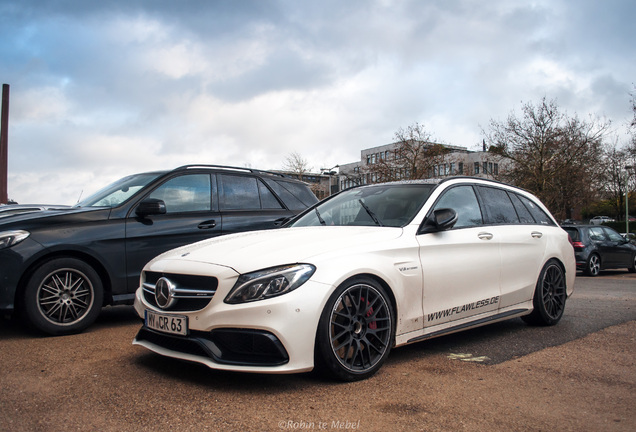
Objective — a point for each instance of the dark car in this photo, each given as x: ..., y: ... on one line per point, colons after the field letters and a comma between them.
x: 601, y: 248
x: 58, y: 267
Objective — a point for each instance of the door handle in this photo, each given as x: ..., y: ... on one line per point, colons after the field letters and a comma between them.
x: 536, y: 234
x: 484, y: 236
x: 207, y: 224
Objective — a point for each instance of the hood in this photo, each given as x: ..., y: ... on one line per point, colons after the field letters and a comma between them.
x: 246, y: 252
x: 28, y: 220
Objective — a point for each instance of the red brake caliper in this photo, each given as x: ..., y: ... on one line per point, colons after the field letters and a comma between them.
x: 374, y: 324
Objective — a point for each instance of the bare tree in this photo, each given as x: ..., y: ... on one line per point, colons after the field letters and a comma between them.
x: 555, y: 156
x: 632, y: 125
x: 413, y: 157
x: 615, y: 178
x: 633, y: 101
x: 296, y: 164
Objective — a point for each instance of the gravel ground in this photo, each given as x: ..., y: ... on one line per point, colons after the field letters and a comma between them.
x: 98, y: 381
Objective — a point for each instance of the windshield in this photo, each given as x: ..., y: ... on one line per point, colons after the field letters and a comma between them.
x: 119, y: 191
x: 393, y: 205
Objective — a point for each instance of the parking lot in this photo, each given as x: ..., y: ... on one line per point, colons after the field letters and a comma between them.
x: 578, y: 375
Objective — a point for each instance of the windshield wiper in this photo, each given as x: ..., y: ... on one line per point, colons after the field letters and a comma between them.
x: 320, y: 219
x: 368, y: 210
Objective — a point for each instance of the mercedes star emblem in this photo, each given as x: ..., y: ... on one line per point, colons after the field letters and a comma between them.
x: 164, y: 293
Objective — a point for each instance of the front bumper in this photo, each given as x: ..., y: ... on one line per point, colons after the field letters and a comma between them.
x: 14, y: 261
x: 239, y: 347
x: 272, y: 336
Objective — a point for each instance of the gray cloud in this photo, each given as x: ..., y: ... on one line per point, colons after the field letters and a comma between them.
x: 103, y: 89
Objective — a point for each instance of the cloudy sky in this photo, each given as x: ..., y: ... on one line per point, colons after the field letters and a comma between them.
x: 102, y: 89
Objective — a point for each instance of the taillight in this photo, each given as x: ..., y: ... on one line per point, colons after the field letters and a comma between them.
x: 578, y: 245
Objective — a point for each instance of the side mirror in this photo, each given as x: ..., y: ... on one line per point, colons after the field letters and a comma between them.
x: 441, y: 220
x: 150, y: 206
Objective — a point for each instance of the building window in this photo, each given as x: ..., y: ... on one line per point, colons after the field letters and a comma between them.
x: 485, y: 171
x: 460, y: 168
x: 476, y: 167
x: 496, y: 169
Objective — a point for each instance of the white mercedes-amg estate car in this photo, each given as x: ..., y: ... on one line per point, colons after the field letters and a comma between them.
x: 371, y: 268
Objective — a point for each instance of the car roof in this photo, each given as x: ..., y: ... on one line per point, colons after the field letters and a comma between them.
x: 233, y: 168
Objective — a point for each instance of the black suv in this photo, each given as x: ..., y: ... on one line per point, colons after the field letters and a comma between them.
x: 599, y: 248
x: 59, y: 267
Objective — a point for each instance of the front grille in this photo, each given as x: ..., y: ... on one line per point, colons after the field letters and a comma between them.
x: 192, y: 293
x: 243, y: 347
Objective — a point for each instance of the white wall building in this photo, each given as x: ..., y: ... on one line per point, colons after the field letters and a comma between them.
x: 459, y: 161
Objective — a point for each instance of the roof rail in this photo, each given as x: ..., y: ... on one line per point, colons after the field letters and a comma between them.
x: 225, y: 167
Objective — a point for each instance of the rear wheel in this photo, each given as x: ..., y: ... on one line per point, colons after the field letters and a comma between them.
x: 632, y: 269
x: 355, y: 332
x: 549, y: 296
x: 593, y: 266
x: 63, y: 296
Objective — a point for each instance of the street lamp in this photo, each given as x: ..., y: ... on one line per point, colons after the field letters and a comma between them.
x: 629, y: 169
x: 330, y: 172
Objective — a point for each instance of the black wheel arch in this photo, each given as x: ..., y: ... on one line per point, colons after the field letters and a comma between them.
x: 82, y: 256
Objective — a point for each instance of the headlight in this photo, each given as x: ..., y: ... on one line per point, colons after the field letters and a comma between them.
x: 268, y: 283
x: 10, y: 238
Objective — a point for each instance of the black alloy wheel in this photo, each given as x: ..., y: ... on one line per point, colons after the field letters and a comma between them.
x: 355, y: 333
x: 549, y: 296
x: 63, y: 296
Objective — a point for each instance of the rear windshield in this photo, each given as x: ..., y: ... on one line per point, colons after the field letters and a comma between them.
x: 575, y: 235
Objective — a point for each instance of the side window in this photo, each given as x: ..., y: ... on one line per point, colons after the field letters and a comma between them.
x: 525, y: 217
x: 245, y: 193
x: 268, y: 200
x: 462, y: 199
x: 186, y: 193
x: 295, y: 196
x: 239, y: 193
x: 596, y: 234
x: 539, y: 215
x: 499, y: 208
x: 613, y: 235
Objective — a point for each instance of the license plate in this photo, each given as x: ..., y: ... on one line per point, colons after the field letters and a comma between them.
x: 173, y: 324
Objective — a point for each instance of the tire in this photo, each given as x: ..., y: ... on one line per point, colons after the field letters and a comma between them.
x: 63, y: 296
x: 593, y: 266
x: 549, y: 296
x: 632, y: 269
x: 356, y: 331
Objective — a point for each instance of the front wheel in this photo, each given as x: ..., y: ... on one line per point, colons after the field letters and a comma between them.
x: 632, y: 268
x: 63, y: 296
x: 355, y: 332
x: 549, y: 296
